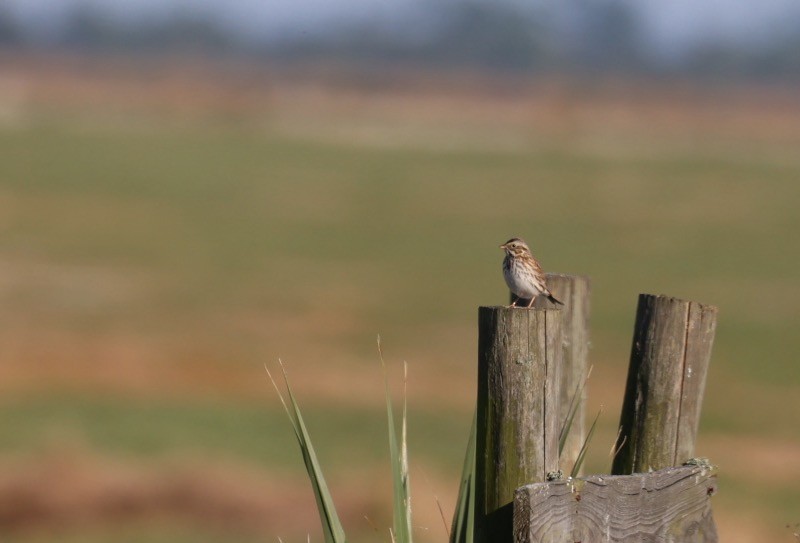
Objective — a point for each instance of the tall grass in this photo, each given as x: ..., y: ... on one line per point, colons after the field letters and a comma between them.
x: 464, y: 516
x: 331, y: 525
x: 398, y: 454
x: 332, y: 530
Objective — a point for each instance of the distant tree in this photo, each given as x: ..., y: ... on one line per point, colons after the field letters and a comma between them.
x: 10, y: 31
x: 185, y: 32
x: 782, y: 59
x: 775, y: 58
x: 601, y: 36
x: 497, y: 35
x: 462, y: 33
x: 90, y: 28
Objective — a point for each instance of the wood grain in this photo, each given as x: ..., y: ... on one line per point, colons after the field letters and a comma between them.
x: 671, y: 505
x: 574, y: 291
x: 666, y: 379
x: 519, y: 364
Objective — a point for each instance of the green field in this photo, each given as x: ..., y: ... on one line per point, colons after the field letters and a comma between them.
x: 149, y: 272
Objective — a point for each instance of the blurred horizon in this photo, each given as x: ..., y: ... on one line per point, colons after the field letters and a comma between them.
x: 587, y: 37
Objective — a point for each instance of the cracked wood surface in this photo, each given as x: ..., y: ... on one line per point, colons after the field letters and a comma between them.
x: 666, y: 378
x: 670, y: 505
x: 519, y: 364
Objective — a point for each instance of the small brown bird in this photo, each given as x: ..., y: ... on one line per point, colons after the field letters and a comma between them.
x: 523, y: 275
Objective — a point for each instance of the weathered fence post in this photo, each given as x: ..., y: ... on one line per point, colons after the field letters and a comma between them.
x: 666, y: 379
x: 670, y: 505
x: 669, y: 360
x: 574, y: 291
x: 519, y: 364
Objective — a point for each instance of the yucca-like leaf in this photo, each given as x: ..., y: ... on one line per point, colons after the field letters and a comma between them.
x: 398, y: 453
x: 582, y: 454
x: 331, y: 526
x: 464, y: 517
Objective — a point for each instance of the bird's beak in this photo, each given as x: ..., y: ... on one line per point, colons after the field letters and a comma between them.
x: 503, y: 246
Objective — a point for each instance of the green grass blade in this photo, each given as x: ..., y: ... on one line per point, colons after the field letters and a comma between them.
x: 464, y: 517
x: 574, y: 404
x: 582, y: 454
x: 406, y: 488
x: 398, y: 453
x: 567, y: 425
x: 331, y: 526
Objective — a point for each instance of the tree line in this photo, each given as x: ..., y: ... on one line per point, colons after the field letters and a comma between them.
x: 580, y: 36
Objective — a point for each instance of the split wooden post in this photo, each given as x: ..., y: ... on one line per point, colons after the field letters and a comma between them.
x: 519, y: 363
x: 671, y: 351
x: 574, y: 291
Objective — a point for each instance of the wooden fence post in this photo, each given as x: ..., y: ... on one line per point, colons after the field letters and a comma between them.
x: 574, y: 291
x: 519, y: 364
x: 669, y: 360
x: 670, y: 505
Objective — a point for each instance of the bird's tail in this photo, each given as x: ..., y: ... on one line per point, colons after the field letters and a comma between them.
x: 553, y: 299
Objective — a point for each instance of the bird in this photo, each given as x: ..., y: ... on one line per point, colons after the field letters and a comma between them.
x: 523, y: 274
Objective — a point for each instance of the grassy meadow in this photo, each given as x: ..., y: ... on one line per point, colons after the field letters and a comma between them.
x: 156, y: 252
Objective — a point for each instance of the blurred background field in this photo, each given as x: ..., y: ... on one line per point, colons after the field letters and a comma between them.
x: 175, y: 216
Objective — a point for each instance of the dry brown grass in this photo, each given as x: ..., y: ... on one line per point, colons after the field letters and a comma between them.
x: 449, y: 109
x: 66, y: 491
x: 62, y: 492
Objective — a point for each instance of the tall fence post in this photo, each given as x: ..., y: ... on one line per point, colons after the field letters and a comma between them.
x: 519, y: 364
x: 671, y: 351
x: 574, y: 291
